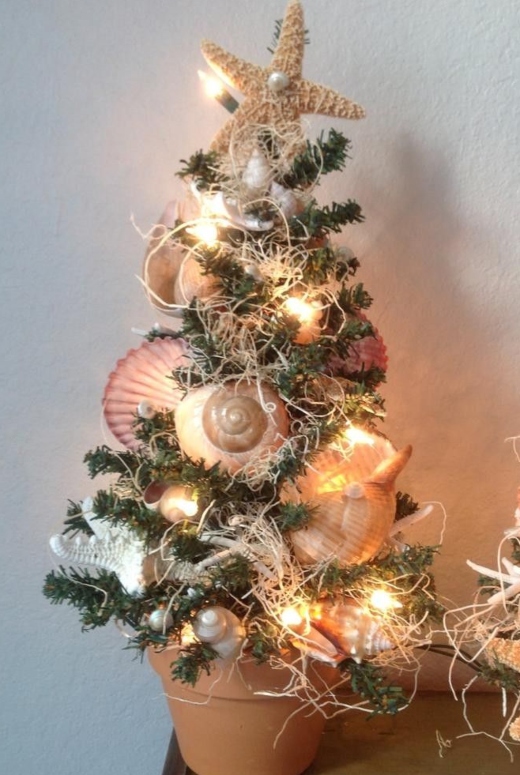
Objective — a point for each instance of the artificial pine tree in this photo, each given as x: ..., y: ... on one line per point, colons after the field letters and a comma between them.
x: 255, y: 495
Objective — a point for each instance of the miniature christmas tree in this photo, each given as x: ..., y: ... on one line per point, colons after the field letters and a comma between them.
x: 254, y: 510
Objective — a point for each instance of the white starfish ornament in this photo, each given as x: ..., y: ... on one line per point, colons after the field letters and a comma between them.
x: 114, y: 549
x: 118, y: 550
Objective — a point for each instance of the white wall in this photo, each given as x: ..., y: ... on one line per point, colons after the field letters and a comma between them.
x: 99, y: 102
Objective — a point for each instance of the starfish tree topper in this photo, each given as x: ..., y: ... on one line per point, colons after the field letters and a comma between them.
x: 277, y: 95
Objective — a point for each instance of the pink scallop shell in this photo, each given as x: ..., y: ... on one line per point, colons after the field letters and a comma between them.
x: 367, y: 353
x: 144, y: 374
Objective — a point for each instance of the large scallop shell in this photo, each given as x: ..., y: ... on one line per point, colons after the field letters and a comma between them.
x: 143, y: 375
x: 354, y: 502
x: 236, y: 424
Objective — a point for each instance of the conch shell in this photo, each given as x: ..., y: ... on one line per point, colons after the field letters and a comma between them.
x: 236, y: 424
x: 355, y: 508
x: 351, y: 629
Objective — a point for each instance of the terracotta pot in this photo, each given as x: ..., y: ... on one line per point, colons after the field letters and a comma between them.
x: 224, y: 725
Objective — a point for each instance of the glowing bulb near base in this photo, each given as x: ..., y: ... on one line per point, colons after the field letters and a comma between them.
x: 294, y: 621
x: 384, y: 601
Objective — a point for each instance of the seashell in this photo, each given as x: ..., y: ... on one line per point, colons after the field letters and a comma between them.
x: 367, y: 353
x: 144, y: 374
x: 236, y: 424
x: 257, y: 175
x: 162, y: 261
x: 317, y: 646
x: 354, y: 499
x: 190, y: 282
x: 153, y: 493
x: 286, y: 200
x: 172, y: 278
x: 350, y: 629
x: 177, y: 504
x: 221, y: 629
x: 229, y: 211
x: 160, y: 620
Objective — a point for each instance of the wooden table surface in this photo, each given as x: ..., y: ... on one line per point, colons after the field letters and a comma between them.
x: 408, y: 744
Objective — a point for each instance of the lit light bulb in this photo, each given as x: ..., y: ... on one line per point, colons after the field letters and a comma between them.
x: 214, y: 88
x: 177, y: 503
x: 384, y: 601
x: 205, y: 230
x: 187, y: 635
x: 358, y: 436
x: 299, y: 308
x: 293, y: 620
x: 309, y: 314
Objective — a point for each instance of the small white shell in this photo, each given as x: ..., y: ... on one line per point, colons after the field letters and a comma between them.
x: 221, y: 628
x: 160, y: 620
x: 286, y: 200
x: 257, y: 175
x: 152, y: 495
x: 354, y: 500
x: 144, y: 374
x: 235, y: 424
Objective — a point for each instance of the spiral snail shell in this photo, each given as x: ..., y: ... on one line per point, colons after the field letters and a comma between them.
x: 236, y: 424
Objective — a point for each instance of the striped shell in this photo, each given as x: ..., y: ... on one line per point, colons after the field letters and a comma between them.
x: 352, y: 630
x: 236, y: 424
x: 142, y: 376
x: 354, y: 499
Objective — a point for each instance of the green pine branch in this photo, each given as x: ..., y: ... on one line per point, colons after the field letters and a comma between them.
x: 368, y: 681
x: 202, y: 167
x: 98, y: 598
x: 318, y: 159
x: 315, y: 222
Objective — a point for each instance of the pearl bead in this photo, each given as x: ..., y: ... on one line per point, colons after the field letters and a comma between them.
x: 145, y: 410
x: 160, y: 620
x: 278, y: 82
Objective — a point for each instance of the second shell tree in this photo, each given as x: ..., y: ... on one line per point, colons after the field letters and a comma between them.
x: 250, y: 505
